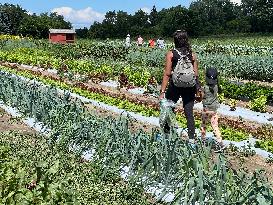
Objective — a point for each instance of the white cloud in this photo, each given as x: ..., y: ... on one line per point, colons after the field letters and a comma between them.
x: 236, y: 1
x: 85, y: 16
x: 146, y: 10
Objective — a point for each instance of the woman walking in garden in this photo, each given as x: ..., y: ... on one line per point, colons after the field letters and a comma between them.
x: 180, y: 78
x: 211, y: 104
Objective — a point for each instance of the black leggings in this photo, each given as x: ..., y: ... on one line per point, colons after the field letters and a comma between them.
x: 188, y: 95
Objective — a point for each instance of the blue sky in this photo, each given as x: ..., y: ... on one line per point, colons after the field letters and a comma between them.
x: 85, y: 12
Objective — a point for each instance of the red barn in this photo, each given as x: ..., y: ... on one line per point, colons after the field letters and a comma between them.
x: 62, y: 35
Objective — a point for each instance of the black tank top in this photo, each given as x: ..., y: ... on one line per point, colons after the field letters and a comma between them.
x: 176, y: 56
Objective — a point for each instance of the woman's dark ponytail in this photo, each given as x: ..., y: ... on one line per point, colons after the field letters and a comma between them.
x: 181, y: 41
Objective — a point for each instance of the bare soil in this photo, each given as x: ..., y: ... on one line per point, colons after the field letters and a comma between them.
x: 134, y: 125
x: 8, y: 124
x: 251, y: 164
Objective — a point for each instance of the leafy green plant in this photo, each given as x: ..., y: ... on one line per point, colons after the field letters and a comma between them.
x: 221, y: 97
x: 259, y: 104
x: 269, y: 160
x: 265, y: 144
x: 36, y: 172
x: 232, y: 104
x: 175, y: 164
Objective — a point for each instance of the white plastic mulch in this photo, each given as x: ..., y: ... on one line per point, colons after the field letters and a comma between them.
x: 137, y: 91
x: 110, y: 83
x: 246, y: 114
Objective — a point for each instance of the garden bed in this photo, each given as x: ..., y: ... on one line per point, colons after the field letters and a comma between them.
x: 115, y: 146
x: 259, y: 130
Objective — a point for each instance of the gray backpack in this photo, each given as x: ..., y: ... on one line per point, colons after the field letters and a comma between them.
x: 183, y: 73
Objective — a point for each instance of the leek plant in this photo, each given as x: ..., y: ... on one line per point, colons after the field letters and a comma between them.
x: 165, y: 162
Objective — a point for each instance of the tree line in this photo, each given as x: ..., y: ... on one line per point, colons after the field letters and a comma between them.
x: 15, y: 20
x: 202, y: 18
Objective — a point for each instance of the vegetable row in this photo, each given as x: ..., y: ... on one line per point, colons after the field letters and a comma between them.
x: 138, y: 75
x: 189, y: 173
x: 233, y: 61
x: 231, y: 130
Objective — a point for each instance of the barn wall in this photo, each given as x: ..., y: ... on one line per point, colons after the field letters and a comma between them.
x: 56, y: 37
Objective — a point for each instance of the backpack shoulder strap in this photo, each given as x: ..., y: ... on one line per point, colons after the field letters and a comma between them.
x: 179, y: 53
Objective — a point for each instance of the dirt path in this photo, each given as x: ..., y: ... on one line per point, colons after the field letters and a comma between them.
x: 9, y: 124
x: 251, y: 164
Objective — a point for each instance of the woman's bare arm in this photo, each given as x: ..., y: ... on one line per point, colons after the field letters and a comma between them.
x: 195, y: 64
x: 167, y: 73
x: 195, y: 68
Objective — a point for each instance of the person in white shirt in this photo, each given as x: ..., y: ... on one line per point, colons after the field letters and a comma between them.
x: 160, y: 43
x: 139, y: 41
x: 128, y: 41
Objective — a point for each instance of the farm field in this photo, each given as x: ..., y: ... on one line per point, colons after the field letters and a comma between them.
x: 168, y: 163
x: 36, y: 171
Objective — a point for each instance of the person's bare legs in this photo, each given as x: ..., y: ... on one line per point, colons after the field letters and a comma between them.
x: 204, y: 125
x: 215, y: 127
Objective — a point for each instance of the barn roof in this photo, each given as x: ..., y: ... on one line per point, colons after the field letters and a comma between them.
x: 62, y: 31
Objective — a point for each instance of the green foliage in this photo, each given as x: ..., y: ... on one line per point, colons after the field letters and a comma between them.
x: 228, y: 133
x: 232, y: 104
x: 16, y: 21
x: 137, y: 76
x: 168, y: 160
x: 221, y: 97
x: 243, y: 67
x: 34, y: 171
x: 28, y: 181
x: 245, y: 91
x: 265, y: 144
x: 11, y: 17
x: 258, y: 104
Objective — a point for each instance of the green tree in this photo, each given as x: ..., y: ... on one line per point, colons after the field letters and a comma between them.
x: 153, y: 17
x: 213, y: 15
x: 38, y: 26
x: 11, y: 17
x: 123, y: 24
x: 260, y: 14
x: 173, y: 19
x: 108, y: 24
x: 82, y: 32
x: 139, y: 23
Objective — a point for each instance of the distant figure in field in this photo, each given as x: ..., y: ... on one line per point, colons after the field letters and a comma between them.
x: 152, y: 43
x: 139, y: 41
x: 160, y: 43
x: 128, y: 41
